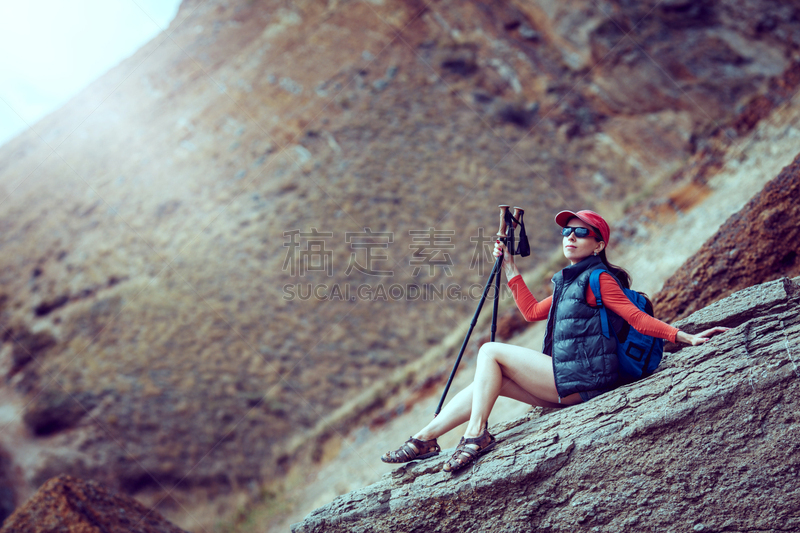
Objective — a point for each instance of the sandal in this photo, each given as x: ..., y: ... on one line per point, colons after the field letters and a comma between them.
x: 411, y: 450
x: 465, y: 455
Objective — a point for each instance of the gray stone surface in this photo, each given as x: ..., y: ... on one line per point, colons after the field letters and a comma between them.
x: 710, y: 442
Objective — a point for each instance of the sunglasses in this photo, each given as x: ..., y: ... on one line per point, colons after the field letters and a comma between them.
x: 581, y: 233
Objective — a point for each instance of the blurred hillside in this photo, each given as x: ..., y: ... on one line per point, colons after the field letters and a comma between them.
x: 149, y: 336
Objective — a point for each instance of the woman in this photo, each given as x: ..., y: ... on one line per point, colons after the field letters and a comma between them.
x: 577, y: 362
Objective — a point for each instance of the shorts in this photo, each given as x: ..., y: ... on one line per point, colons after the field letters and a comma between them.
x: 589, y: 394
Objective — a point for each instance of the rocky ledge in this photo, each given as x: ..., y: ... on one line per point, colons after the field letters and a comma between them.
x: 710, y: 442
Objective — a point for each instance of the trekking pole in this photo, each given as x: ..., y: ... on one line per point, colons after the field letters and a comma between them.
x: 512, y: 221
x: 504, y: 214
x: 505, y: 234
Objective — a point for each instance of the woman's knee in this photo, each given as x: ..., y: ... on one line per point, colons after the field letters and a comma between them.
x: 489, y: 351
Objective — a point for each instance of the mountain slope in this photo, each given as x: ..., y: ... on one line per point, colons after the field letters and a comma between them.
x: 154, y: 330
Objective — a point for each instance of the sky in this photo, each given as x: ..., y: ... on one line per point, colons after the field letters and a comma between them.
x: 51, y: 49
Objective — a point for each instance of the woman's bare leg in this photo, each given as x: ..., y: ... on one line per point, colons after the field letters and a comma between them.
x: 455, y: 413
x: 532, y: 371
x: 458, y: 410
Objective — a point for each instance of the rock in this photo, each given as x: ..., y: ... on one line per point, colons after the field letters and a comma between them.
x: 760, y: 242
x: 55, y: 409
x: 458, y: 60
x: 709, y: 442
x: 72, y: 505
x: 28, y: 347
x: 708, y: 52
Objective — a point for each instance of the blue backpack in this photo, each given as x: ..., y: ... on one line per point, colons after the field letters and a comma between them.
x: 638, y: 354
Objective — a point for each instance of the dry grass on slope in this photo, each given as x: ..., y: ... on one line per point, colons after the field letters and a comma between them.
x: 151, y: 252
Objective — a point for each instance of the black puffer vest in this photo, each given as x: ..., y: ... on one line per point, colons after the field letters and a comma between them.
x: 583, y: 359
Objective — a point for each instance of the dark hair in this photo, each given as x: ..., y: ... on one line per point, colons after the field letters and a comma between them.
x: 622, y: 275
x: 618, y: 272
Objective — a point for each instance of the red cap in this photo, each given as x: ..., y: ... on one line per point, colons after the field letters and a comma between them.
x: 589, y: 217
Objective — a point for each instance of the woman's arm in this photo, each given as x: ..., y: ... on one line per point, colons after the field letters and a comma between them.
x: 701, y: 337
x: 615, y: 300
x: 526, y: 302
x: 509, y: 268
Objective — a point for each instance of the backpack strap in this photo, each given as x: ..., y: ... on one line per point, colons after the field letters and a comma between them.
x: 594, y: 283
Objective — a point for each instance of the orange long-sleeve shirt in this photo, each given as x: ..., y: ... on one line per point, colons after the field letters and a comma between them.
x: 613, y: 298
